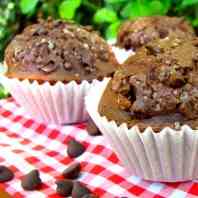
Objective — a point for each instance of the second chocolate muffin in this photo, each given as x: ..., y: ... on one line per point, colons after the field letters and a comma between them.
x: 157, y: 87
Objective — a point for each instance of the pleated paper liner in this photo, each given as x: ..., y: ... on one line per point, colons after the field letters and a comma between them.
x: 55, y: 104
x: 167, y: 156
x: 121, y: 54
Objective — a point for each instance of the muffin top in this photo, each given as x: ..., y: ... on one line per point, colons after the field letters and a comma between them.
x: 157, y: 87
x: 59, y: 51
x: 134, y: 34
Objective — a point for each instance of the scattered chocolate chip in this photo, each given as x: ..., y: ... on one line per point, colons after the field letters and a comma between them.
x: 90, y: 196
x: 31, y: 181
x: 75, y: 148
x: 79, y: 190
x: 5, y: 174
x: 72, y: 172
x: 92, y: 128
x: 64, y: 187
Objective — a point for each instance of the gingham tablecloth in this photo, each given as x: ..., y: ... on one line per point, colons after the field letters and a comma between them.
x: 26, y: 144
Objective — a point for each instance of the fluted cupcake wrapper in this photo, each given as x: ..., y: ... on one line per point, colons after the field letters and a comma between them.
x: 56, y: 104
x: 121, y: 54
x: 166, y: 156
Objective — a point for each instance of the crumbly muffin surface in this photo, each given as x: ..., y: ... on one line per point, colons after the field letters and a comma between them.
x: 57, y: 50
x: 157, y: 87
x: 134, y: 34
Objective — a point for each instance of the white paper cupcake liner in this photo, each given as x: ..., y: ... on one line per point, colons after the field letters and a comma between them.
x: 167, y: 156
x: 121, y: 54
x: 53, y: 104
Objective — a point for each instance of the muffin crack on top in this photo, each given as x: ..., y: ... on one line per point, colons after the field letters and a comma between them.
x: 157, y: 86
x: 56, y: 48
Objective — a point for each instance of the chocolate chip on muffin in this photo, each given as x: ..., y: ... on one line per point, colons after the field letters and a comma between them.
x: 134, y: 34
x: 59, y: 51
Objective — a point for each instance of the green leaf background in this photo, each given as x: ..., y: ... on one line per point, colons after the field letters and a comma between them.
x: 68, y: 8
x: 105, y: 15
x: 28, y: 6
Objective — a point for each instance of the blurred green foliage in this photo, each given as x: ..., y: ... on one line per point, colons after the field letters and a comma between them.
x: 9, y: 23
x: 104, y: 15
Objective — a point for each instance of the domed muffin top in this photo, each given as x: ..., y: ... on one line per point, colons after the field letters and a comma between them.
x: 57, y: 50
x: 157, y: 87
x: 134, y: 34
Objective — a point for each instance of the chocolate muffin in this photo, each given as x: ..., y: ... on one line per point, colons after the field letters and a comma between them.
x: 157, y: 87
x: 59, y: 51
x: 134, y: 34
x: 51, y: 67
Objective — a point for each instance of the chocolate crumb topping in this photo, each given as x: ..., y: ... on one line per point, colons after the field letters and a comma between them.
x: 159, y: 88
x: 134, y: 34
x: 57, y: 47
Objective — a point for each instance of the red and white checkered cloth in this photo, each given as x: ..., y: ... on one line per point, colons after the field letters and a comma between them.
x: 26, y: 144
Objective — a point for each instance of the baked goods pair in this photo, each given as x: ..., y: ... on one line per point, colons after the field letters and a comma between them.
x: 148, y: 111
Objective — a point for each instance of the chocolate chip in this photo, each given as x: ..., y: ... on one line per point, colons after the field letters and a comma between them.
x: 75, y: 148
x: 64, y: 187
x: 31, y: 181
x: 79, y: 190
x: 92, y: 128
x: 90, y: 196
x: 72, y: 172
x: 5, y: 174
